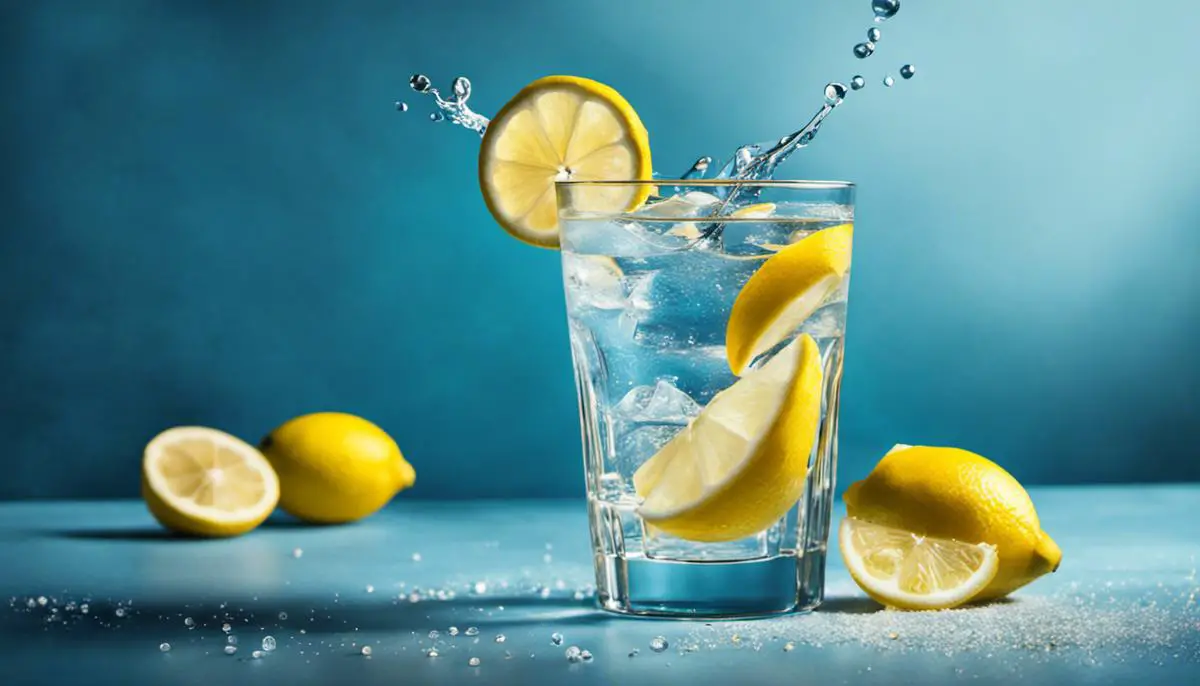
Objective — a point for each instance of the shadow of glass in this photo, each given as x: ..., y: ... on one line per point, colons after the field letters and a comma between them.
x: 849, y: 605
x: 316, y: 617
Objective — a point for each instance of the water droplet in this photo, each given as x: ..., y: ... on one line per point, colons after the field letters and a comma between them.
x: 858, y: 82
x: 231, y: 640
x: 434, y: 633
x: 164, y: 647
x: 416, y: 557
x: 436, y: 116
x: 268, y: 643
x: 472, y: 631
x: 282, y: 616
x: 189, y: 622
x: 907, y: 71
x: 257, y: 654
x: 573, y: 654
x: 414, y: 597
x: 789, y: 647
x: 634, y: 653
x: 874, y: 34
x: 834, y: 93
x: 864, y: 50
x: 462, y: 88
x: 507, y: 655
x: 420, y: 83
x: 369, y: 588
x: 659, y: 644
x: 500, y: 638
x: 120, y: 612
x: 366, y: 651
x: 432, y: 652
x: 84, y: 608
x: 299, y: 552
x: 230, y: 650
x: 226, y: 628
x: 474, y: 662
x: 888, y: 81
x: 885, y: 9
x: 42, y: 600
x: 585, y: 655
x: 401, y: 106
x: 480, y: 587
x: 556, y: 638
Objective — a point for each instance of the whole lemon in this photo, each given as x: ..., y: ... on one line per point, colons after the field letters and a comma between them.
x: 956, y: 494
x: 335, y: 467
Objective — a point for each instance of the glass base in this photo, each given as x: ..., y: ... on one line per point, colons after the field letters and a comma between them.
x: 711, y: 590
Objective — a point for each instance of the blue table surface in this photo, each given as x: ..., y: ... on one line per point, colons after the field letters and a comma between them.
x: 1121, y: 609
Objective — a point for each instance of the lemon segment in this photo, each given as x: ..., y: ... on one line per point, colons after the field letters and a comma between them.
x: 204, y: 482
x: 948, y: 493
x: 784, y: 292
x: 555, y: 129
x: 741, y: 464
x: 903, y: 570
x: 335, y: 467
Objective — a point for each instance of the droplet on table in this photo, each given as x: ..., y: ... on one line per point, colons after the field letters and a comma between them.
x: 226, y: 628
x: 585, y: 655
x: 231, y: 640
x: 257, y: 654
x: 474, y: 662
x: 189, y: 622
x: 230, y: 650
x: 453, y: 631
x: 42, y: 600
x: 556, y: 638
x: 120, y: 612
x: 634, y: 652
x: 659, y: 644
x: 500, y: 638
x: 299, y: 552
x: 283, y: 616
x: 573, y: 654
x: 432, y: 652
x: 789, y: 647
x: 366, y: 651
x: 434, y: 633
x: 472, y: 631
x: 164, y: 647
x: 480, y: 587
x: 268, y: 643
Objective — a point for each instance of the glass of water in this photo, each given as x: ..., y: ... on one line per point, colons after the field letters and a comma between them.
x: 706, y: 322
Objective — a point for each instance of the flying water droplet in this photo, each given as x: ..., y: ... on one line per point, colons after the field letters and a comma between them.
x: 864, y: 50
x: 420, y: 83
x: 401, y: 106
x: 462, y: 88
x: 885, y: 9
x: 874, y: 34
x: 436, y: 116
x: 858, y: 82
x: 907, y: 71
x: 189, y: 622
x: 888, y: 81
x: 556, y: 638
x: 834, y: 93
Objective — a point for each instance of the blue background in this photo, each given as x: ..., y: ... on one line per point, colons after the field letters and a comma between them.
x: 212, y: 214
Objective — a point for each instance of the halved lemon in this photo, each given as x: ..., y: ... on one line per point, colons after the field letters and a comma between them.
x: 741, y: 464
x: 784, y: 292
x: 204, y: 482
x: 560, y: 128
x: 903, y: 570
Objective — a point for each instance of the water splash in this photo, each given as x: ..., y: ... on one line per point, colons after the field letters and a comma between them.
x: 454, y: 109
x: 698, y: 169
x: 885, y: 9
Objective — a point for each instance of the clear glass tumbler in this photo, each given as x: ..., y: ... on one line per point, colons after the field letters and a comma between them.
x: 698, y: 510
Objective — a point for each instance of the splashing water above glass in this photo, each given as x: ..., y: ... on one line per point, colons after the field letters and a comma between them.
x: 454, y: 109
x: 885, y: 9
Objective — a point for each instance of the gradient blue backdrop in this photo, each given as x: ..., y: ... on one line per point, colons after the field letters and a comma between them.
x: 212, y: 214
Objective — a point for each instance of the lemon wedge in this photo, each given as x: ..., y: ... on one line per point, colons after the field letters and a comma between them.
x: 204, y: 482
x: 784, y: 292
x: 741, y: 464
x: 903, y: 570
x: 555, y: 129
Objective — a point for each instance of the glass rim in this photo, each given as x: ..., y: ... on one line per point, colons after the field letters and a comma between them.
x: 799, y: 184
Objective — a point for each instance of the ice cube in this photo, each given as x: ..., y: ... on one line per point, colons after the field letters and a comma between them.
x: 593, y: 281
x: 661, y: 403
x: 618, y: 238
x: 640, y: 444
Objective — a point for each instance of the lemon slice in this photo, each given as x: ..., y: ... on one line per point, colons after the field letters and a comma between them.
x: 741, y: 464
x: 910, y: 572
x: 555, y: 129
x: 204, y: 482
x: 784, y: 292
